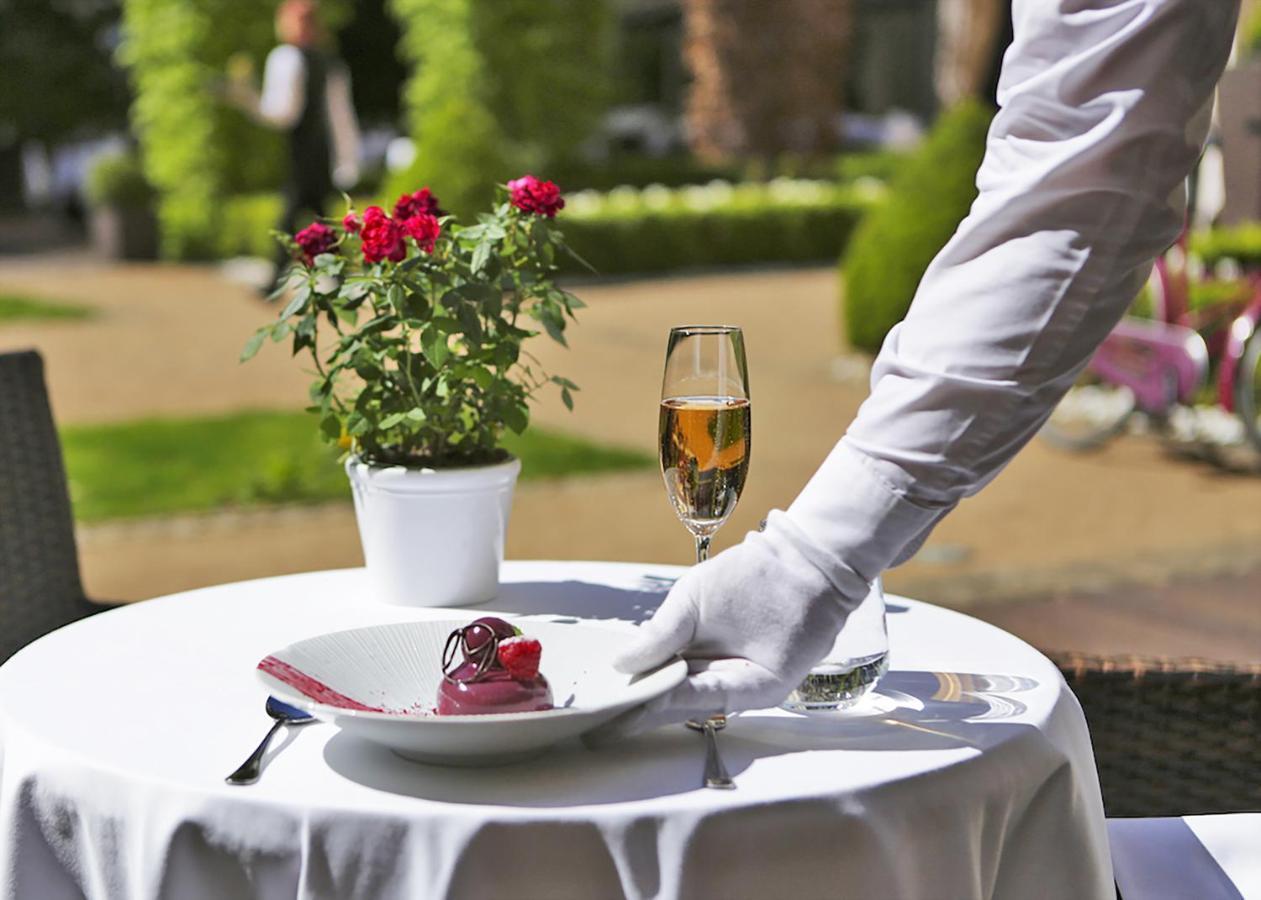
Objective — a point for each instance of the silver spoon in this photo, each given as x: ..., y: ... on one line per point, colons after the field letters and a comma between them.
x: 715, y: 772
x: 284, y: 714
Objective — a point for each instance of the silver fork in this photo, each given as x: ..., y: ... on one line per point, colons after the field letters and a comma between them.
x: 284, y: 714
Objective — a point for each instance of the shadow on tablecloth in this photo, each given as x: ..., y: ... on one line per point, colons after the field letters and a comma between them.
x: 918, y: 711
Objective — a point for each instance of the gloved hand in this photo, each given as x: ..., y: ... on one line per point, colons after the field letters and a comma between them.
x: 751, y: 622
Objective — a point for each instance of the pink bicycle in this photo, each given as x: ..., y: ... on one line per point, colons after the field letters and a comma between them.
x: 1195, y: 374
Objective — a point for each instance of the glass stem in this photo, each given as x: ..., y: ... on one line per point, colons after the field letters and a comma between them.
x: 702, y: 547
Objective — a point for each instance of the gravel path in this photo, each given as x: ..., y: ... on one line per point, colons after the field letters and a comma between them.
x: 1051, y: 526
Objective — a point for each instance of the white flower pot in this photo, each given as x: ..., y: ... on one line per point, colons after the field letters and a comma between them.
x: 433, y: 537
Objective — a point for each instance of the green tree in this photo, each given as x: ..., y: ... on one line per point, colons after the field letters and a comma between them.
x: 930, y: 195
x: 499, y: 87
x: 59, y: 79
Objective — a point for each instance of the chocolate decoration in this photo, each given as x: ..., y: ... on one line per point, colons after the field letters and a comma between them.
x: 485, y: 655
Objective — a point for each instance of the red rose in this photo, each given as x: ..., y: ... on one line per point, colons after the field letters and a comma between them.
x: 424, y: 229
x: 383, y: 237
x: 422, y: 201
x: 315, y: 239
x: 534, y: 196
x: 351, y: 223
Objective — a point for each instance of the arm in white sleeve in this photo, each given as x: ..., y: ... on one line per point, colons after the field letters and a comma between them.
x: 284, y: 87
x: 345, y: 128
x: 1105, y: 105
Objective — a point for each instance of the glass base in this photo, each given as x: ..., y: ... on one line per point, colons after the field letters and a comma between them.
x: 832, y: 686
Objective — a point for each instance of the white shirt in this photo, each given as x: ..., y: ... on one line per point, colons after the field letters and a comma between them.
x: 1104, y: 107
x: 283, y: 99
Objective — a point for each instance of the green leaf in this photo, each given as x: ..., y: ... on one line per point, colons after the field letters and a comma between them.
x: 567, y: 398
x: 392, y: 420
x: 471, y: 324
x: 254, y: 343
x: 554, y: 325
x: 353, y: 290
x: 331, y: 427
x: 564, y: 382
x: 481, y: 256
x: 517, y: 418
x: 434, y: 346
x: 416, y: 414
x: 299, y: 300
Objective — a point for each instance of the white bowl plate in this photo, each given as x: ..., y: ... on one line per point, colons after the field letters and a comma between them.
x: 380, y: 684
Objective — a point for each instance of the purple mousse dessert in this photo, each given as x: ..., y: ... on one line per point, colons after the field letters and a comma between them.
x: 489, y: 667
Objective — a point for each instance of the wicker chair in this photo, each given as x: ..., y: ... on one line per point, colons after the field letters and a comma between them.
x: 1172, y: 737
x: 39, y: 567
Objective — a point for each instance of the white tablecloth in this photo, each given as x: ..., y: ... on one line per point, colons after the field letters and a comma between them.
x: 972, y: 778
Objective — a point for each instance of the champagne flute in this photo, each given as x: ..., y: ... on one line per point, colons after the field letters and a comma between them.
x: 704, y: 428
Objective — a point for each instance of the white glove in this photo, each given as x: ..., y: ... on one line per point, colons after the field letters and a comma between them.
x: 751, y: 622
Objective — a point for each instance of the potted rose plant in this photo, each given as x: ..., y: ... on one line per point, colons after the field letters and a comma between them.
x: 415, y: 326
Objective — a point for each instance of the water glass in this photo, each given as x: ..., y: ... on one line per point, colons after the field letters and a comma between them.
x: 856, y: 662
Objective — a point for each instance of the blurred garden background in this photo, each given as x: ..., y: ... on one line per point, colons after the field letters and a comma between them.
x: 787, y: 166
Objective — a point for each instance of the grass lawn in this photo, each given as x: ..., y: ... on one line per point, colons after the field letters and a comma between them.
x: 17, y: 306
x: 153, y: 467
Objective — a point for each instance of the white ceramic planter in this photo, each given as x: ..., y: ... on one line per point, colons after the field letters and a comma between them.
x: 433, y: 537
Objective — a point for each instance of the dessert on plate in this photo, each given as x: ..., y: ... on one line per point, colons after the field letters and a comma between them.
x: 490, y: 667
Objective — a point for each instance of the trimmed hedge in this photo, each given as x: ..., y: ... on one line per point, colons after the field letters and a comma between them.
x: 929, y: 196
x: 500, y: 87
x: 1240, y: 243
x: 117, y: 179
x: 248, y: 220
x: 196, y: 148
x: 654, y: 230
x: 658, y: 229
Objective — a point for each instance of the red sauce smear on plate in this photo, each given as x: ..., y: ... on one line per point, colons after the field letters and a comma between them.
x: 311, y: 687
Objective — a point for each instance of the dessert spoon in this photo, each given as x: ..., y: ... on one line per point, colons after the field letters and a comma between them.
x: 284, y: 714
x: 715, y: 772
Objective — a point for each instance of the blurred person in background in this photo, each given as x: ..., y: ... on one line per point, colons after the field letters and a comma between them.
x: 306, y: 95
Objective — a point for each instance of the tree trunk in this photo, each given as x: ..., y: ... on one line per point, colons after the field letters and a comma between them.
x: 768, y: 77
x: 967, y: 34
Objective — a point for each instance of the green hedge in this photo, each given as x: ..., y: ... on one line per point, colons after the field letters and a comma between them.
x: 1240, y: 243
x: 117, y: 179
x: 500, y: 87
x: 195, y: 147
x: 658, y: 229
x: 654, y: 230
x: 928, y: 198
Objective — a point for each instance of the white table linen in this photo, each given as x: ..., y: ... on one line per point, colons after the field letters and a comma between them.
x: 976, y: 780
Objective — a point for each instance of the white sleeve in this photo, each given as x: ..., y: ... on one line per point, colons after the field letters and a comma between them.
x: 284, y: 87
x: 345, y: 128
x: 1104, y: 106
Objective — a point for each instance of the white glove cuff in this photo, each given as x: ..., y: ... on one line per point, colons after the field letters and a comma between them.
x: 785, y: 536
x: 857, y: 521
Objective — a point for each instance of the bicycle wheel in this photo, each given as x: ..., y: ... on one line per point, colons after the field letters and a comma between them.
x: 1247, y: 389
x: 1091, y: 413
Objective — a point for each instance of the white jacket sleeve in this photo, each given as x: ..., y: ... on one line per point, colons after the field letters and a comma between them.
x: 1104, y: 107
x: 344, y: 126
x: 284, y: 87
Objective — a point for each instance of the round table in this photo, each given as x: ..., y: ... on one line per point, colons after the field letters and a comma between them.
x: 969, y: 775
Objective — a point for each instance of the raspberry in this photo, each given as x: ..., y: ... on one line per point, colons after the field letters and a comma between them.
x: 520, y: 656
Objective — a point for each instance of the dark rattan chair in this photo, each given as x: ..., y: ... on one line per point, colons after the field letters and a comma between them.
x: 1172, y: 737
x: 40, y: 588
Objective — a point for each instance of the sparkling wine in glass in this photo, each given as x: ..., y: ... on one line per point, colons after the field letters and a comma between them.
x: 704, y: 428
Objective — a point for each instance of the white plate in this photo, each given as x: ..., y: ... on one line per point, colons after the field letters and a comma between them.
x: 380, y: 683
